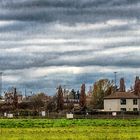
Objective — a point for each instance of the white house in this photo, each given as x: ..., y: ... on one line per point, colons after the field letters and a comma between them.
x: 122, y: 101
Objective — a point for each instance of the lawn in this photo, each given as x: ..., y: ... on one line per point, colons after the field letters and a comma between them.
x: 82, y: 129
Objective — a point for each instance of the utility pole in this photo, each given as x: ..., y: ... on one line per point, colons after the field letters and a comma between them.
x: 115, y: 80
x: 0, y: 84
x: 25, y: 93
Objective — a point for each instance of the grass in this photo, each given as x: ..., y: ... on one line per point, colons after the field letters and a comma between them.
x: 62, y: 129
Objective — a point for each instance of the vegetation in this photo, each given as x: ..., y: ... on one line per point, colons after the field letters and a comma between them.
x: 60, y: 100
x: 101, y: 89
x: 45, y: 123
x: 83, y: 96
x: 63, y: 101
x: 81, y: 129
x: 72, y: 133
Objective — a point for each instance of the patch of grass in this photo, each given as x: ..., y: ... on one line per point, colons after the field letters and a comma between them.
x: 62, y: 129
x: 71, y: 133
x: 46, y: 123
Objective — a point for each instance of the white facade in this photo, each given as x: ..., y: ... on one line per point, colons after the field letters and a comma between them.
x: 115, y: 105
x: 2, y: 101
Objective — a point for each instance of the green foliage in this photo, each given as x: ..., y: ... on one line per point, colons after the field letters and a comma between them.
x: 30, y: 123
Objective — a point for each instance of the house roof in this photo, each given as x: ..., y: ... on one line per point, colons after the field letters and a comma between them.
x: 119, y: 95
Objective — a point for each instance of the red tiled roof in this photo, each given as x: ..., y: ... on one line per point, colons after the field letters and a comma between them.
x: 119, y: 95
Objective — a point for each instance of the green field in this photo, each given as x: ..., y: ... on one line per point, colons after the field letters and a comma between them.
x: 61, y: 129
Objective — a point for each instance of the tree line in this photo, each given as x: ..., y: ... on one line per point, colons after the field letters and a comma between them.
x: 66, y: 102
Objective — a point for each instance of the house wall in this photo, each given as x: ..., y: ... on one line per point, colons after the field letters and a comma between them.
x: 111, y: 104
x: 129, y: 105
x: 114, y: 105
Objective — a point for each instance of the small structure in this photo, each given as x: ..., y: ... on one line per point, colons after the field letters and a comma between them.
x: 69, y: 116
x: 10, y: 115
x: 43, y: 113
x: 67, y: 102
x: 2, y: 101
x: 122, y: 101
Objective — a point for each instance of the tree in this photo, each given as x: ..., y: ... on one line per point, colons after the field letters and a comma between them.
x: 101, y: 89
x: 25, y: 105
x: 82, y: 101
x: 78, y: 95
x: 37, y: 101
x: 52, y: 105
x: 15, y: 98
x: 60, y: 100
x: 137, y: 86
x: 72, y: 94
x: 122, y: 85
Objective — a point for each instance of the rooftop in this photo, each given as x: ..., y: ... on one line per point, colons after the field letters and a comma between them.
x: 119, y: 95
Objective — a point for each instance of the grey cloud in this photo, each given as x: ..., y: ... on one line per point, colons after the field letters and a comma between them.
x: 36, y: 19
x: 17, y: 26
x: 24, y: 61
x: 67, y: 3
x: 69, y: 81
x: 69, y: 11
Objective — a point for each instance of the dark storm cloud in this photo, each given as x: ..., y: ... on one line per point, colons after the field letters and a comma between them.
x: 66, y: 3
x: 69, y: 10
x: 24, y: 61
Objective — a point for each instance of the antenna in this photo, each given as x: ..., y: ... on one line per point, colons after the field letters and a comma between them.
x: 115, y: 80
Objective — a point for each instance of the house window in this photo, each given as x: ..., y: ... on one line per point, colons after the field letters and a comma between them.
x: 135, y: 102
x: 135, y: 109
x: 123, y: 109
x: 123, y: 101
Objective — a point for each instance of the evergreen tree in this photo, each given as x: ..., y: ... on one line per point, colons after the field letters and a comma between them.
x: 82, y: 101
x: 60, y: 100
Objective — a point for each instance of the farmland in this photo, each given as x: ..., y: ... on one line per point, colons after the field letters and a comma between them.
x: 61, y: 129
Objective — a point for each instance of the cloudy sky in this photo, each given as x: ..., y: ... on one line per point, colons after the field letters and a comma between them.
x: 44, y: 43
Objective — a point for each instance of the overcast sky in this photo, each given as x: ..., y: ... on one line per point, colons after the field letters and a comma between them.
x: 44, y: 43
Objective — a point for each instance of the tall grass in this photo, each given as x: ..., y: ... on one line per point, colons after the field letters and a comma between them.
x: 71, y: 133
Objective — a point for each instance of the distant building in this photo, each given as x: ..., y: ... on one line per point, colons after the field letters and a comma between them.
x: 122, y: 101
x: 12, y: 96
x: 75, y: 102
x: 2, y: 101
x: 9, y: 97
x: 71, y: 98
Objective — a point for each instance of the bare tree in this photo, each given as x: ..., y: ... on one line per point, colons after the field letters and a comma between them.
x: 37, y: 101
x: 101, y: 89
